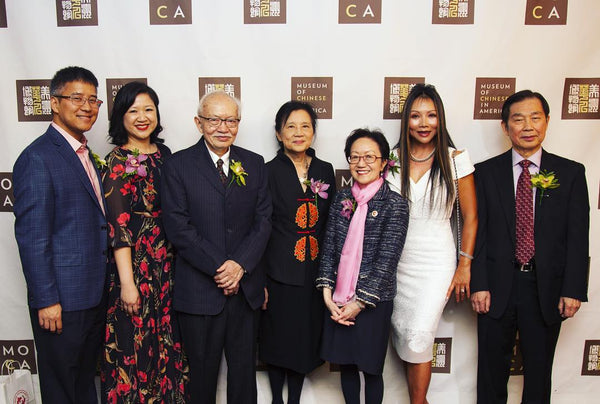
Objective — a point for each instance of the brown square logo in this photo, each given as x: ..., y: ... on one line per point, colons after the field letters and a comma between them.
x: 546, y: 12
x: 317, y: 91
x: 395, y: 91
x: 359, y: 12
x: 112, y: 88
x: 3, y: 20
x: 343, y: 179
x: 442, y: 355
x: 17, y: 354
x: 71, y: 13
x: 591, y: 358
x: 265, y: 11
x: 453, y: 12
x: 580, y: 98
x: 490, y: 94
x: 6, y: 192
x: 231, y: 85
x: 33, y: 100
x: 170, y: 12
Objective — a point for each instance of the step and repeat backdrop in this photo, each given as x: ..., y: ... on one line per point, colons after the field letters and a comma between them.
x: 355, y: 61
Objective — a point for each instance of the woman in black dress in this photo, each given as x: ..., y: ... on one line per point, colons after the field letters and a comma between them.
x: 302, y: 187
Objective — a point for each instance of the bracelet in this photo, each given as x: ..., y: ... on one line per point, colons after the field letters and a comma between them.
x: 464, y: 254
x: 360, y: 304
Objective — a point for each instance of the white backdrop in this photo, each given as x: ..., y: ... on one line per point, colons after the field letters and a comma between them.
x: 358, y: 56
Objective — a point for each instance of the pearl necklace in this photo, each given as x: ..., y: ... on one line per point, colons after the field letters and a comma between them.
x: 424, y: 159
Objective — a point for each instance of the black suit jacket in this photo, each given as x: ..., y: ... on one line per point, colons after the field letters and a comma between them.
x: 561, y: 232
x: 209, y: 223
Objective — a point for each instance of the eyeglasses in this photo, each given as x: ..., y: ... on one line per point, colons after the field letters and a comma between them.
x: 368, y: 158
x: 216, y: 122
x: 80, y: 100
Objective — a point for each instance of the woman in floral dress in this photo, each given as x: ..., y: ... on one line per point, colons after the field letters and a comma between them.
x: 143, y: 359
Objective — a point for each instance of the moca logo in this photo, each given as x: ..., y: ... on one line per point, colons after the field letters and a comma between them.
x: 170, y: 12
x: 6, y: 192
x: 359, y: 12
x: 343, y: 179
x: 17, y: 354
x: 546, y: 12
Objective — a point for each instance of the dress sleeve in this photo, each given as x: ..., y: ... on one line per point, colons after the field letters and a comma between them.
x: 118, y: 193
x: 464, y: 166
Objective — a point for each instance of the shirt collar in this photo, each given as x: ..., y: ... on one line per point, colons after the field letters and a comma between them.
x: 535, y: 158
x: 214, y: 157
x: 74, y: 143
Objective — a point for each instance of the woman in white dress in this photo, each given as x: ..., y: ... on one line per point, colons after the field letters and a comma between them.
x: 428, y: 271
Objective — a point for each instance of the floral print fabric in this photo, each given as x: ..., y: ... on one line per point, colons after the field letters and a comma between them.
x: 143, y: 358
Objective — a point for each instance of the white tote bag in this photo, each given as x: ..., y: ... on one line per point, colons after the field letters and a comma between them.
x: 17, y: 388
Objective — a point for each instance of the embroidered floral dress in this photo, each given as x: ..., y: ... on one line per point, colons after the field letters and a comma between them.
x: 143, y: 359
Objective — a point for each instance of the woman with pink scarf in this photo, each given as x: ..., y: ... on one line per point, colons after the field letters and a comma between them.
x: 365, y: 235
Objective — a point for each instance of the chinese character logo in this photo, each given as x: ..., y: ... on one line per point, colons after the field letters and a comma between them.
x: 442, y: 354
x: 359, y: 12
x: 591, y: 358
x: 33, y: 99
x: 317, y: 91
x: 231, y: 85
x: 395, y: 91
x: 490, y: 94
x: 546, y: 12
x: 265, y: 11
x: 170, y: 12
x: 580, y: 99
x: 453, y: 12
x: 76, y: 12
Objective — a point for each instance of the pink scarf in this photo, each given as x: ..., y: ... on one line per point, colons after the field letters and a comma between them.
x: 349, y: 266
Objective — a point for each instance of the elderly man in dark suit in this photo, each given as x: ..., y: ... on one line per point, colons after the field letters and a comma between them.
x: 217, y: 212
x: 61, y: 232
x: 530, y: 271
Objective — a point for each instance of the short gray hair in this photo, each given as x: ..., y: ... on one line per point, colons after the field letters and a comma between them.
x: 208, y: 96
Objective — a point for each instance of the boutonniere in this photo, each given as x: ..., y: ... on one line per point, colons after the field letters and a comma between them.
x: 348, y: 207
x: 318, y: 187
x: 544, y: 180
x: 133, y: 164
x: 98, y: 162
x: 238, y: 173
x: 393, y: 166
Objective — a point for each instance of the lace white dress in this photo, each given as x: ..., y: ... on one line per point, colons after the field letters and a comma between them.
x: 426, y: 267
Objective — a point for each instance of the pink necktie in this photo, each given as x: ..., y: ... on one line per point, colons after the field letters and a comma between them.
x: 524, y: 213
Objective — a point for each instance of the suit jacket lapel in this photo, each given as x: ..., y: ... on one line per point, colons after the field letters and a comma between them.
x: 230, y: 186
x: 207, y: 168
x: 66, y: 151
x: 540, y: 205
x: 506, y: 190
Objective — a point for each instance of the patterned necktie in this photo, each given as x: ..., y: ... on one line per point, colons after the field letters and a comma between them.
x: 524, y: 212
x: 222, y: 175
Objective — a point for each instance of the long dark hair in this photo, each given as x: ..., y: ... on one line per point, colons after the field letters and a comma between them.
x: 441, y: 168
x: 123, y: 100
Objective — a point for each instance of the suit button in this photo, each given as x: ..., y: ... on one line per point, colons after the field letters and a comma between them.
x: 103, y: 227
